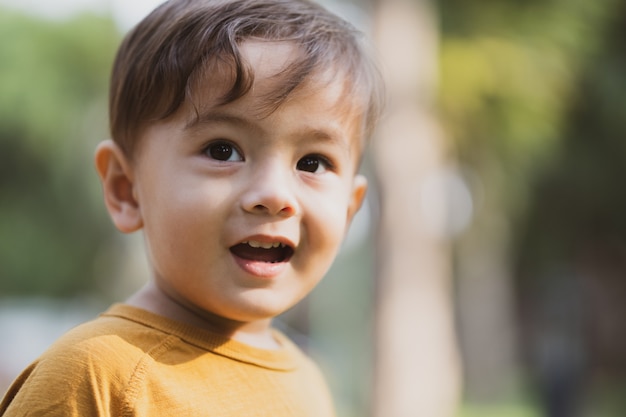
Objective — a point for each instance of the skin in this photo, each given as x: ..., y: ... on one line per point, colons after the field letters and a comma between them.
x: 205, y: 190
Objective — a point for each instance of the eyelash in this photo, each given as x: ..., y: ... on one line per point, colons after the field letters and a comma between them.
x: 228, y: 149
x: 319, y: 159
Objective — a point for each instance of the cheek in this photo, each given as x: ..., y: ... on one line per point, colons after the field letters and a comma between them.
x: 329, y: 222
x: 177, y: 223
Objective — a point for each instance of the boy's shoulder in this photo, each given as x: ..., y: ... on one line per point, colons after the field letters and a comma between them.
x: 85, y: 372
x: 107, y: 345
x: 119, y: 332
x: 128, y: 361
x: 123, y: 337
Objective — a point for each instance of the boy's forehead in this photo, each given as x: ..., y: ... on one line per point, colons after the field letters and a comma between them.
x: 269, y: 62
x: 269, y: 58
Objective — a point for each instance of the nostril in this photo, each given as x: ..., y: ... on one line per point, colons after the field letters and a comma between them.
x: 268, y: 201
x: 287, y: 211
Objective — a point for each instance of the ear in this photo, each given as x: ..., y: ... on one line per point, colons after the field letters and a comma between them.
x: 357, y: 195
x: 118, y: 186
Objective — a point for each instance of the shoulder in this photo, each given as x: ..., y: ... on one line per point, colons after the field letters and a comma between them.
x: 88, y: 371
x: 106, y: 344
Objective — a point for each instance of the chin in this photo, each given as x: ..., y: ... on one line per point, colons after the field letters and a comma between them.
x: 260, y: 311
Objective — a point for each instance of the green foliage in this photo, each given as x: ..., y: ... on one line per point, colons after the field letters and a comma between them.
x: 509, y: 70
x: 498, y: 410
x: 533, y: 99
x: 53, y: 86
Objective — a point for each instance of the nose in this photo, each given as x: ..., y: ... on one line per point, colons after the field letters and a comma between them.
x: 270, y: 192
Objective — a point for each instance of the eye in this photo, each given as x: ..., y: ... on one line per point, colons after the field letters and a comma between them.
x: 223, y: 151
x: 313, y: 163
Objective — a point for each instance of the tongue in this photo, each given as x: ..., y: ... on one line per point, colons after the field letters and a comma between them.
x: 259, y: 254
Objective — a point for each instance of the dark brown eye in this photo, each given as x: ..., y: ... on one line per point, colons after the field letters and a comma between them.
x: 313, y: 163
x: 222, y: 151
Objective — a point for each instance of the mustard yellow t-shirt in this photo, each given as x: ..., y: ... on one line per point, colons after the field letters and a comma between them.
x: 129, y: 362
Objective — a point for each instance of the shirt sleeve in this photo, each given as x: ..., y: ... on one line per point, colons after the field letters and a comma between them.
x: 69, y: 381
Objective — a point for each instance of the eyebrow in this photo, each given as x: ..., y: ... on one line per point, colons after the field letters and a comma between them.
x: 326, y: 136
x: 209, y: 117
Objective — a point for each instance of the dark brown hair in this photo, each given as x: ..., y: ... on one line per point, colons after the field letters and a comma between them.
x: 159, y: 59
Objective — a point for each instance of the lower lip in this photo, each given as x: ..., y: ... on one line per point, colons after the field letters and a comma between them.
x: 259, y: 269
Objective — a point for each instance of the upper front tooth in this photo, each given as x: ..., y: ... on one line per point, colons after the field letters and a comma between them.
x: 255, y: 244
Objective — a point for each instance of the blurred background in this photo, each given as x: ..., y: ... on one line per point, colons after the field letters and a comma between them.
x: 486, y: 274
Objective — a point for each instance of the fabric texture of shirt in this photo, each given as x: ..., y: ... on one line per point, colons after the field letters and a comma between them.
x: 129, y: 362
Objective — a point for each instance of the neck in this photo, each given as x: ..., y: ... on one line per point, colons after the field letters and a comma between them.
x: 153, y: 299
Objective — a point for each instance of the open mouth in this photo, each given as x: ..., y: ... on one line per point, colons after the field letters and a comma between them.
x: 263, y: 252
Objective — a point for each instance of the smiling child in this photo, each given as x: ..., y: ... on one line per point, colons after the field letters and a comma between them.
x: 237, y: 132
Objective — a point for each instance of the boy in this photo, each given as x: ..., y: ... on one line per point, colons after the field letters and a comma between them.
x: 237, y: 130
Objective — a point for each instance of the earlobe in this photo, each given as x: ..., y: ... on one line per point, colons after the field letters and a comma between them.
x: 116, y: 175
x: 359, y: 189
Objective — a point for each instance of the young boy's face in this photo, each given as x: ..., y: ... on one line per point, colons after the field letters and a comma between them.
x: 243, y: 212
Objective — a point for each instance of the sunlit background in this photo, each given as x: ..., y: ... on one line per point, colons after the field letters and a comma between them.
x: 486, y: 275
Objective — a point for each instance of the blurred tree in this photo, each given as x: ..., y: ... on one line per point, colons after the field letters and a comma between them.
x: 509, y: 72
x: 417, y: 369
x: 53, y: 84
x: 572, y: 246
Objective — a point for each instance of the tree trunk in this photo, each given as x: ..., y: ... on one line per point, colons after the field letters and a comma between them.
x: 417, y: 370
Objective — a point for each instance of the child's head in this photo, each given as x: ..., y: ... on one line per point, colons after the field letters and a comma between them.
x: 238, y: 129
x: 178, y: 48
